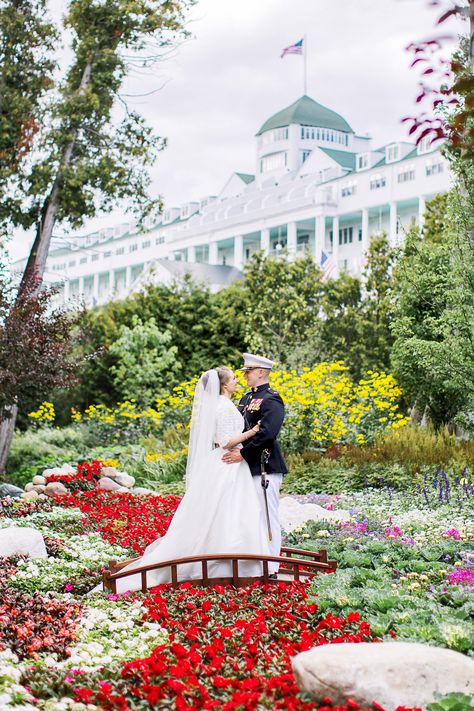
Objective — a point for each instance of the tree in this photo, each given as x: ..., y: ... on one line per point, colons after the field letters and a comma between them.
x: 35, y: 349
x: 88, y: 162
x: 282, y: 300
x: 85, y: 161
x: 146, y: 364
x: 26, y: 66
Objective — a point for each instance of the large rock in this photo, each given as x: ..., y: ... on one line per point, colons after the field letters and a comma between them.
x: 392, y: 673
x: 10, y: 490
x: 124, y: 479
x: 25, y: 541
x: 30, y: 486
x: 38, y: 479
x: 30, y: 495
x: 110, y: 472
x: 294, y: 514
x: 55, y: 487
x: 142, y: 491
x: 108, y: 484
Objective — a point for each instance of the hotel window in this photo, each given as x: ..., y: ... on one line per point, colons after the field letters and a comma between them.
x: 346, y: 235
x: 362, y: 161
x: 327, y: 135
x: 305, y: 155
x: 83, y: 260
x: 146, y: 244
x: 278, y: 134
x: 377, y: 181
x: 273, y: 161
x: 133, y: 248
x: 392, y: 153
x: 425, y: 145
x: 159, y: 240
x: 433, y: 168
x: 120, y: 250
x: 72, y: 263
x: 107, y: 255
x: 94, y: 257
x: 349, y: 189
x: 406, y: 175
x: 360, y: 234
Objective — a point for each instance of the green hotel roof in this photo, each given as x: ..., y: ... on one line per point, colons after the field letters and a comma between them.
x: 306, y: 112
x: 246, y: 177
x: 344, y: 158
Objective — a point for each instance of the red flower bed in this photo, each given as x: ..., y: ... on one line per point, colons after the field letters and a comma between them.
x: 34, y: 625
x: 84, y: 479
x: 127, y: 520
x: 229, y: 649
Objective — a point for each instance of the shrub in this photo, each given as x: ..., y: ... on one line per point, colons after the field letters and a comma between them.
x: 34, y: 450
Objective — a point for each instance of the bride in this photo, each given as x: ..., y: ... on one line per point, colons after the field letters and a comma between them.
x: 220, y: 511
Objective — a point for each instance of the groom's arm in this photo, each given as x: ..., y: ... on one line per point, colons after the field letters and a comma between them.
x: 273, y: 414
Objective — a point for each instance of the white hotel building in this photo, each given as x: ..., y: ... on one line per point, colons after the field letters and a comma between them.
x: 318, y: 187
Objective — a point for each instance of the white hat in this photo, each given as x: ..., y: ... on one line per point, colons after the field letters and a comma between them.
x: 255, y: 361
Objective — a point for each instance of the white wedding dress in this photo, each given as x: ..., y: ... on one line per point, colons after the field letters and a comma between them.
x: 219, y: 513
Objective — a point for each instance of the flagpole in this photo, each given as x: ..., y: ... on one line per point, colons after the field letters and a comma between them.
x: 304, y: 65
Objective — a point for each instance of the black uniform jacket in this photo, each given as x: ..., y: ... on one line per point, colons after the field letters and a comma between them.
x: 265, y: 405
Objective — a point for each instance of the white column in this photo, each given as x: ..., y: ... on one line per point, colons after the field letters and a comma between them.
x: 213, y: 252
x: 291, y: 239
x: 421, y: 211
x: 66, y: 290
x: 95, y: 288
x: 265, y: 241
x: 365, y: 230
x: 81, y: 286
x: 319, y: 237
x: 335, y: 243
x: 192, y: 254
x: 128, y: 276
x: 111, y: 281
x: 393, y: 224
x: 238, y: 251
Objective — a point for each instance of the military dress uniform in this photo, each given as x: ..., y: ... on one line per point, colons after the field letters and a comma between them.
x: 265, y: 406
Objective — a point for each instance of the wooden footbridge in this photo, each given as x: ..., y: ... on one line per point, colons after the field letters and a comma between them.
x: 295, y: 564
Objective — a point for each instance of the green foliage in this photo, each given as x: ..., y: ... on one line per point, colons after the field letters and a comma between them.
x: 145, y: 361
x: 283, y: 300
x: 26, y: 41
x: 452, y: 702
x: 205, y: 329
x: 352, y: 322
x: 433, y: 352
x: 89, y: 159
x: 35, y: 450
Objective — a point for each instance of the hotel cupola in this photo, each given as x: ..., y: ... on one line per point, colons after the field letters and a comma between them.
x: 286, y: 140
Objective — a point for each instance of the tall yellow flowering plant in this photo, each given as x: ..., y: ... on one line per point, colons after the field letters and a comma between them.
x: 324, y: 407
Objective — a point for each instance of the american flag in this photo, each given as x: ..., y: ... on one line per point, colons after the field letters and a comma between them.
x: 327, y: 265
x: 296, y: 48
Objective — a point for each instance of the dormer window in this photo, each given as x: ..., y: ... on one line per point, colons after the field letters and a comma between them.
x: 362, y: 161
x: 392, y: 153
x: 425, y: 145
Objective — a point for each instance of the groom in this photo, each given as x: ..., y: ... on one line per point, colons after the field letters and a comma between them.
x: 264, y: 406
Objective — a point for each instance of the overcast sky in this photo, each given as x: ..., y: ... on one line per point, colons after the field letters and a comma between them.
x: 220, y: 85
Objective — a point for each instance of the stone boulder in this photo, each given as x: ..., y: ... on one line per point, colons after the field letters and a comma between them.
x: 22, y: 541
x: 10, y: 490
x: 110, y: 472
x: 30, y: 486
x: 30, y: 495
x: 55, y: 487
x: 124, y: 479
x: 108, y: 484
x: 293, y: 514
x: 38, y: 479
x: 390, y: 673
x: 142, y: 491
